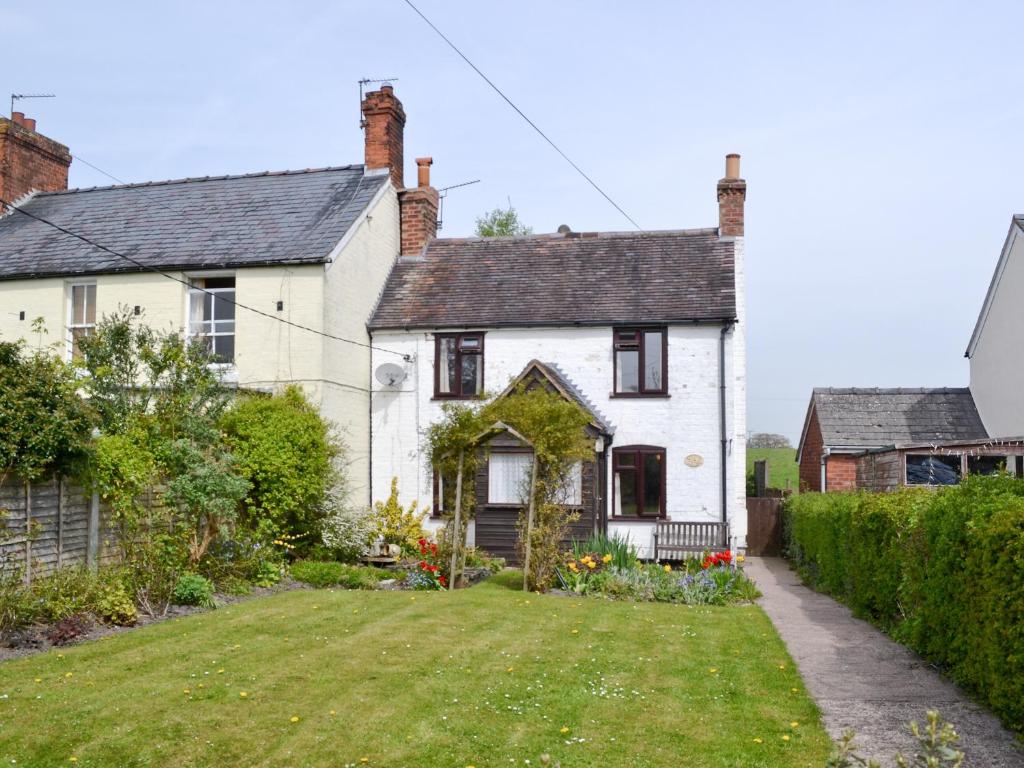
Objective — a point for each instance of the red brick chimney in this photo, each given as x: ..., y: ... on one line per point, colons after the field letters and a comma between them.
x: 384, y: 124
x: 418, y: 208
x: 732, y: 192
x: 29, y: 161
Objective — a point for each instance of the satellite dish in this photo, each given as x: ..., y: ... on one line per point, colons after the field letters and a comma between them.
x: 390, y: 374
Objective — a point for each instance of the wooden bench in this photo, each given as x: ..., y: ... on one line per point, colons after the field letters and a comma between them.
x: 683, y: 539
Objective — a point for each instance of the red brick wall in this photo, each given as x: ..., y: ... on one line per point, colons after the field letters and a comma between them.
x: 384, y: 121
x: 731, y: 196
x: 30, y: 161
x: 841, y: 473
x: 810, y: 456
x: 419, y: 218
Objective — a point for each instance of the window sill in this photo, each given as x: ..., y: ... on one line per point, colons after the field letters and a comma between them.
x: 637, y: 519
x: 639, y: 395
x: 443, y: 398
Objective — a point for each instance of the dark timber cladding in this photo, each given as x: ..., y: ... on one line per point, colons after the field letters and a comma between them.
x: 563, y: 279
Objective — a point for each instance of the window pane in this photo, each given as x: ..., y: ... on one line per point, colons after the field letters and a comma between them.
x: 627, y: 371
x: 652, y: 360
x: 195, y: 307
x: 76, y: 334
x: 226, y: 326
x: 470, y: 342
x: 986, y: 465
x: 933, y: 470
x: 471, y: 375
x: 625, y: 493
x: 625, y: 459
x: 652, y: 484
x: 574, y: 485
x: 77, y: 304
x: 446, y: 365
x: 224, y: 349
x: 215, y: 282
x: 508, y: 477
x: 90, y: 304
x: 224, y: 308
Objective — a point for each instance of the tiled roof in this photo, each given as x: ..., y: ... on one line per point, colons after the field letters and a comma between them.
x: 563, y: 279
x: 874, y: 418
x: 290, y: 217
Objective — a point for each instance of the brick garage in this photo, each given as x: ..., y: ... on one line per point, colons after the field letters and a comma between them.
x: 843, y: 424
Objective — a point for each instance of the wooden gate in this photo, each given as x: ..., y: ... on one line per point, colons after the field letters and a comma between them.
x: 764, y: 526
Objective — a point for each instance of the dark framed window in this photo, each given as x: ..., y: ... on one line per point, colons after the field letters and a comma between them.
x: 639, y: 482
x: 641, y: 361
x: 986, y: 465
x: 459, y: 365
x: 925, y: 469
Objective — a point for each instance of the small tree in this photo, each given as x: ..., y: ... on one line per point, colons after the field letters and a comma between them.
x: 768, y: 440
x: 396, y: 524
x: 501, y: 222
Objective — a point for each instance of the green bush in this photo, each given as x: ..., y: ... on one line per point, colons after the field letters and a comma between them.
x: 193, y: 589
x: 63, y: 593
x: 317, y: 573
x: 362, y: 577
x: 941, y: 570
x: 112, y: 602
x: 284, y: 449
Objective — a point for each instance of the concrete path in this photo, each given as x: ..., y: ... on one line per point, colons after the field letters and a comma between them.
x: 863, y: 680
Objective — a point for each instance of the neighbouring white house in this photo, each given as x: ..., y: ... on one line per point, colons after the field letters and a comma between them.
x: 996, y: 360
x: 644, y: 329
x: 277, y: 272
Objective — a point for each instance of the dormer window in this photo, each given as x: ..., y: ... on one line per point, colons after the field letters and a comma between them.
x: 641, y: 361
x: 459, y: 365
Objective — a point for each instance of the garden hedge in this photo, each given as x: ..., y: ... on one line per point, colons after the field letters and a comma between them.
x: 940, y: 570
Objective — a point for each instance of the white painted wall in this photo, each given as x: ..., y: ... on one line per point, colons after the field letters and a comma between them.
x: 685, y: 423
x: 337, y: 298
x: 997, y: 363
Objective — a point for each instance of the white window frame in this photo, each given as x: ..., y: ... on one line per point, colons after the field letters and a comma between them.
x: 71, y: 325
x: 191, y: 291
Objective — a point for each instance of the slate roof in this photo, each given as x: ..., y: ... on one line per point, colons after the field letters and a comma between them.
x: 875, y: 418
x: 290, y: 217
x: 563, y: 279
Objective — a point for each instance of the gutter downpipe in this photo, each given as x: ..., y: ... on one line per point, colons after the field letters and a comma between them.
x: 722, y: 424
x: 824, y: 459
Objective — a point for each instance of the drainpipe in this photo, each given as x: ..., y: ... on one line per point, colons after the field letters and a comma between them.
x: 824, y: 476
x: 722, y: 426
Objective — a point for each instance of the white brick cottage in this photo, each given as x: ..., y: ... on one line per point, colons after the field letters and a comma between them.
x: 643, y: 329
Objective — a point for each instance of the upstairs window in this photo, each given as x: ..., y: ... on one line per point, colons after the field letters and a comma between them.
x: 459, y: 365
x: 639, y: 481
x: 641, y: 361
x: 211, y: 316
x: 82, y: 323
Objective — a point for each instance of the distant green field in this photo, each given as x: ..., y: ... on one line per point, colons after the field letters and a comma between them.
x: 782, y: 466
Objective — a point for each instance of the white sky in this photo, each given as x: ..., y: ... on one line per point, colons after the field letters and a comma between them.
x: 876, y: 137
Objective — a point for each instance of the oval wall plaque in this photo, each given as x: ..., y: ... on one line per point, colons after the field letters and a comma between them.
x: 694, y: 460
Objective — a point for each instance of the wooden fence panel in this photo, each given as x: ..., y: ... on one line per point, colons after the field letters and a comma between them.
x: 764, y: 526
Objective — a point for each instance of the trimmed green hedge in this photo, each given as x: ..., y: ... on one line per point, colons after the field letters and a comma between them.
x: 941, y: 570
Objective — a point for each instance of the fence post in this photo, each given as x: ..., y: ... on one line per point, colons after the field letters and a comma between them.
x: 760, y: 476
x: 92, y: 555
x: 60, y: 521
x: 28, y: 532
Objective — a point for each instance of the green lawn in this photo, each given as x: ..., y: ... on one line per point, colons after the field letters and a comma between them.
x: 782, y: 466
x: 482, y: 677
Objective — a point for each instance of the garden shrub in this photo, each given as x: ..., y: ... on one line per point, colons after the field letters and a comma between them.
x: 69, y: 629
x: 285, y: 450
x: 113, y: 603
x: 193, y: 589
x: 941, y: 570
x: 347, y: 533
x: 317, y: 573
x: 16, y: 606
x: 395, y: 524
x: 362, y: 576
x: 63, y: 593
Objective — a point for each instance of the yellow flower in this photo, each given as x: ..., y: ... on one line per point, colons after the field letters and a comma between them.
x: 794, y: 690
x: 333, y: 713
x: 758, y: 740
x: 575, y: 631
x: 68, y: 674
x: 295, y: 718
x: 591, y: 564
x: 574, y: 568
x: 364, y: 759
x: 39, y: 679
x: 220, y: 671
x: 564, y: 729
x: 186, y: 691
x: 72, y: 759
x: 785, y: 737
x: 740, y: 558
x: 713, y: 670
x: 607, y: 558
x: 782, y: 666
x: 509, y: 669
x: 242, y: 694
x: 794, y: 724
x: 668, y: 568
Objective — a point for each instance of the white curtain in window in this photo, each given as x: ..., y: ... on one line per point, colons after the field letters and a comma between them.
x: 574, y: 487
x: 508, y: 477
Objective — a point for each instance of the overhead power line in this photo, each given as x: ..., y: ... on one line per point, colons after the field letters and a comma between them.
x: 187, y: 284
x: 522, y: 114
x: 81, y: 159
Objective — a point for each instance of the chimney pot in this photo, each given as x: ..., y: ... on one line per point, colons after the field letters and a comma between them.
x: 29, y: 123
x: 18, y: 118
x: 564, y: 229
x: 423, y: 171
x: 732, y: 166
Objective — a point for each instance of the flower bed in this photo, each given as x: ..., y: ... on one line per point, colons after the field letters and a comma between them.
x: 609, y: 568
